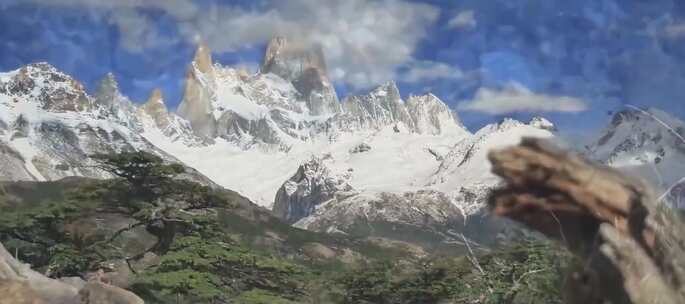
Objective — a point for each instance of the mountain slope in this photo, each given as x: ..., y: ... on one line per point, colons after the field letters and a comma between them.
x: 237, y: 252
x: 411, y: 160
x: 465, y: 170
x: 49, y: 125
x: 264, y: 126
x: 648, y: 144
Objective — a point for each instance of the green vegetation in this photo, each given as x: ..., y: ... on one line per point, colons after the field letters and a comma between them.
x: 526, y: 273
x: 204, y: 266
x: 38, y: 231
x: 258, y: 296
x: 52, y: 232
x: 213, y: 246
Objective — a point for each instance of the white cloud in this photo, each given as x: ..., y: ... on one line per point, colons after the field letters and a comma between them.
x: 140, y: 32
x: 463, y: 20
x: 675, y: 30
x: 517, y: 98
x: 181, y: 9
x: 137, y: 30
x: 430, y: 70
x: 364, y: 41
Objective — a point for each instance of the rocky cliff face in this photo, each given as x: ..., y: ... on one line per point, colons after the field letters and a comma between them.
x: 318, y: 199
x: 155, y: 115
x: 49, y: 126
x: 449, y: 199
x: 381, y: 107
x: 20, y: 284
x: 199, y: 94
x: 114, y: 105
x: 305, y: 67
x: 52, y: 125
x: 13, y: 164
x: 291, y: 101
x: 31, y: 286
x: 249, y: 110
x: 313, y: 184
x: 373, y: 214
x: 63, y: 94
x: 156, y: 109
x: 432, y: 116
x: 270, y: 112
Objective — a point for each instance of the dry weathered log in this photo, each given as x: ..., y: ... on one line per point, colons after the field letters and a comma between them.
x: 631, y: 252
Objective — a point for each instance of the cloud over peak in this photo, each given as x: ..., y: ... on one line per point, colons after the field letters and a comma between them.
x: 515, y: 97
x: 365, y: 42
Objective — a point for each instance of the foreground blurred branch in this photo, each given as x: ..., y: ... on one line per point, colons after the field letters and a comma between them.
x: 630, y: 251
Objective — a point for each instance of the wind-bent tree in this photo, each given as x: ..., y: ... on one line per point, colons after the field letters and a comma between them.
x: 146, y: 174
x: 148, y: 189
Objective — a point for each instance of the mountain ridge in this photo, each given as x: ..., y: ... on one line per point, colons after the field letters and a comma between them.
x: 273, y: 141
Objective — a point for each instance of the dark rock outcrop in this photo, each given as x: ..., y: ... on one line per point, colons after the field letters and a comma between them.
x: 313, y: 184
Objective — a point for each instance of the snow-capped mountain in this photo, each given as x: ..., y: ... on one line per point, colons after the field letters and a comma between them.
x: 372, y: 164
x: 312, y: 185
x: 280, y: 137
x: 646, y: 143
x: 49, y: 125
x: 155, y: 117
x: 464, y: 172
x: 259, y: 128
x: 305, y: 68
x: 442, y: 193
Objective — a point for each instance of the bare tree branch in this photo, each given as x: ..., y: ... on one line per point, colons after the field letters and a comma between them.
x: 631, y: 253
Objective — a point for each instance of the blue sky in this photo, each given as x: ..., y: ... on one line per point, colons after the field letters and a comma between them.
x: 571, y: 61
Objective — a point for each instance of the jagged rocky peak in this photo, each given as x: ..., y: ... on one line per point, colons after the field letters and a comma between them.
x: 199, y: 91
x: 388, y: 91
x: 313, y: 184
x: 111, y: 103
x: 649, y: 143
x: 46, y: 139
x: 156, y: 97
x: 156, y: 109
x: 648, y: 120
x: 432, y: 116
x: 107, y: 91
x: 383, y: 106
x: 242, y: 73
x: 290, y: 59
x: 53, y: 90
x: 305, y: 66
x: 203, y: 58
x: 633, y: 130
x: 154, y: 113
